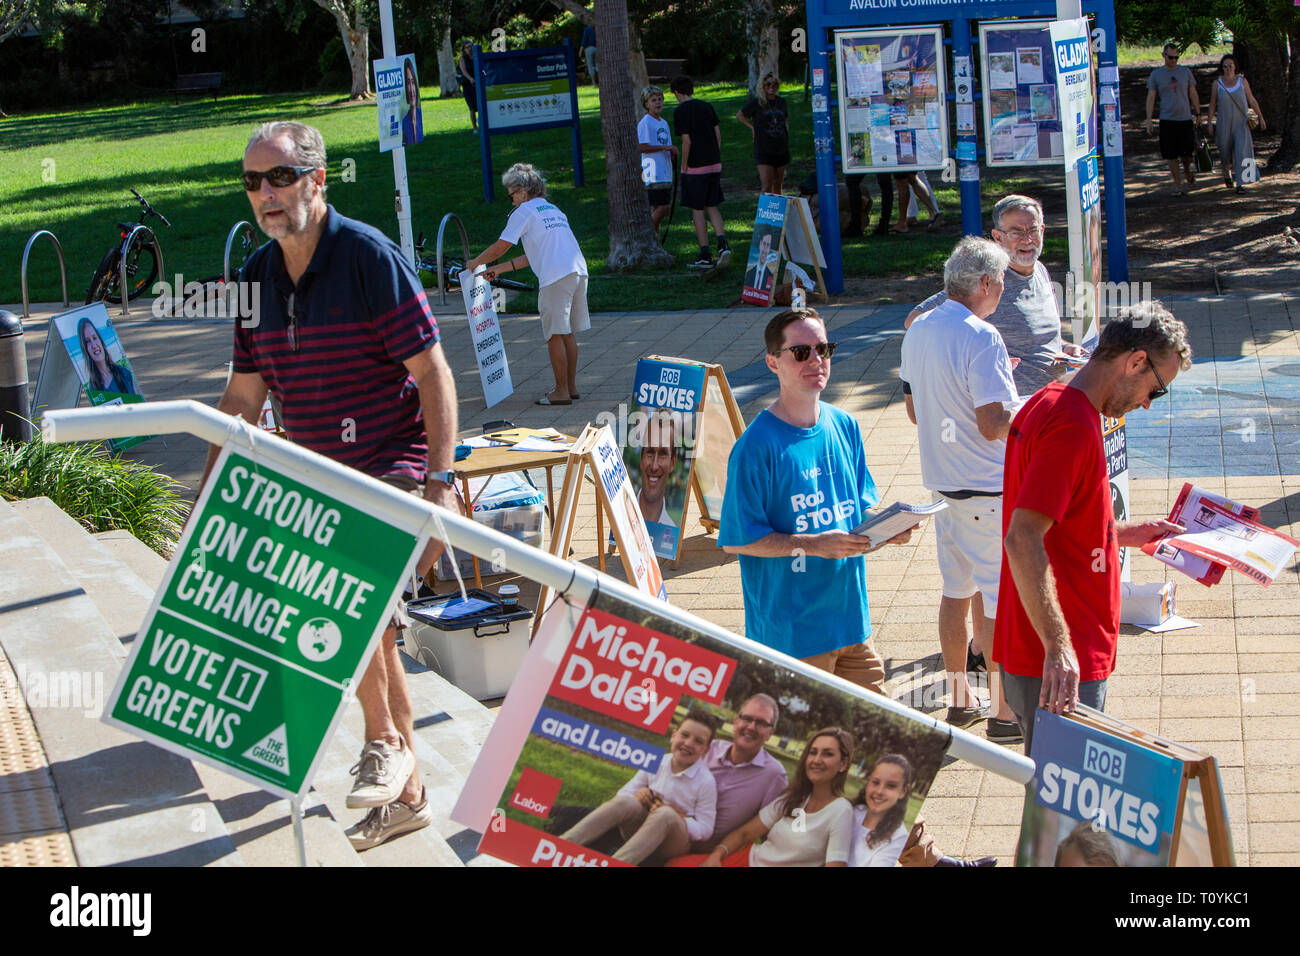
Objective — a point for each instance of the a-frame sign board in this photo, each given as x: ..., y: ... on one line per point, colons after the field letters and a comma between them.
x: 801, y: 244
x: 595, y: 452
x: 1111, y: 793
x: 717, y: 426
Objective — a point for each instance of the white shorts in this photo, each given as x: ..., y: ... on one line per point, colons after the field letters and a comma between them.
x: 563, y: 306
x: 969, y: 534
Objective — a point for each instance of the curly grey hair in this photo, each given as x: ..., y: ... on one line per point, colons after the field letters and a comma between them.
x: 1146, y: 326
x: 970, y: 260
x: 526, y: 177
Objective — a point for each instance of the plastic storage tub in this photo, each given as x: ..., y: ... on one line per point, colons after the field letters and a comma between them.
x: 478, y: 652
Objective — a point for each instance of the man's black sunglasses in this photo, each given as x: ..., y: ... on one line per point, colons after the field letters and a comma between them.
x: 801, y: 352
x: 1163, y: 390
x: 278, y: 176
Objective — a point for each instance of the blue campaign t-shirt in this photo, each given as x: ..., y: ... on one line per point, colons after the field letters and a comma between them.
x: 800, y: 481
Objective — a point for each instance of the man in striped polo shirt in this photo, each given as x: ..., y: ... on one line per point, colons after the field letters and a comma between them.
x: 348, y: 347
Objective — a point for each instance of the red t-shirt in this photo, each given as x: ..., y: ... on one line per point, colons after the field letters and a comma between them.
x: 1055, y: 465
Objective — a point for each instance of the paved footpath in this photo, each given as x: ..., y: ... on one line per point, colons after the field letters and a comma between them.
x: 1231, y: 424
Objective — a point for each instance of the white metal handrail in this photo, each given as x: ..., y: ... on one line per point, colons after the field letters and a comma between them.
x: 412, y: 514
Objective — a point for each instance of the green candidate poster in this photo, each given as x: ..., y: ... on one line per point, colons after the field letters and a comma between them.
x: 263, y: 623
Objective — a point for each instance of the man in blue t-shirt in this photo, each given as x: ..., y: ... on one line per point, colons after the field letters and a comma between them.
x: 797, y: 485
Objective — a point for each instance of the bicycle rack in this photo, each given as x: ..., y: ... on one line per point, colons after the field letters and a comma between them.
x: 63, y: 270
x: 121, y: 262
x: 464, y: 245
x: 230, y: 241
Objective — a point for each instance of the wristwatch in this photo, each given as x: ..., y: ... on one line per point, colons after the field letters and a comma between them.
x: 446, y: 477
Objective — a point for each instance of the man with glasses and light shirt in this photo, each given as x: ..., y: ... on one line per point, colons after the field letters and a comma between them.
x: 1059, y: 595
x: 1027, y: 315
x: 348, y: 347
x: 797, y: 486
x: 958, y: 388
x: 748, y: 778
x: 1180, y: 111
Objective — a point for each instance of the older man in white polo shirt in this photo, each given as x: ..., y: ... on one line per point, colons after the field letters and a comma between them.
x: 961, y: 394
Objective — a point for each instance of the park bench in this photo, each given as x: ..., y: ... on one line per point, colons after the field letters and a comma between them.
x: 197, y: 83
x: 663, y: 71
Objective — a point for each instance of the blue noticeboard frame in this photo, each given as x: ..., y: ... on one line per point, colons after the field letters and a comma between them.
x: 825, y: 16
x: 521, y: 69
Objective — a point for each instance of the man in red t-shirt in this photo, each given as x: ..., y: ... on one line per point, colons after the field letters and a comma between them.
x: 1059, y: 597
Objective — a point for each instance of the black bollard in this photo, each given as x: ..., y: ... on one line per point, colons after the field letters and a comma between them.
x: 14, y: 409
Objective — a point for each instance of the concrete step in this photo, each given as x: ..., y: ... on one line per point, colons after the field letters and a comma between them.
x: 259, y: 823
x: 125, y: 801
x: 141, y: 559
x: 262, y: 829
x: 117, y: 592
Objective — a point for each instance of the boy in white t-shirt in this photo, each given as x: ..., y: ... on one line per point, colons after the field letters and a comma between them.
x: 659, y: 814
x: 657, y: 154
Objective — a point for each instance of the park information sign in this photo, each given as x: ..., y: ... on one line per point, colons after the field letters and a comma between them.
x: 1022, y: 126
x: 263, y: 623
x: 892, y: 99
x: 528, y: 90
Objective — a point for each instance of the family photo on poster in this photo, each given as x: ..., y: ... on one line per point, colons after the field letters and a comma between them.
x: 626, y: 756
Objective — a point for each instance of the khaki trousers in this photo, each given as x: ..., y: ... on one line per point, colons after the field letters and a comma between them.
x: 858, y: 663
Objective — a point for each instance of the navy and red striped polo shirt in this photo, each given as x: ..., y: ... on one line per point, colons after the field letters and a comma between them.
x: 361, y: 313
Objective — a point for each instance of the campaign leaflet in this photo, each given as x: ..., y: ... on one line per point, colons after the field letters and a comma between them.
x: 594, y: 706
x: 764, y: 250
x: 1097, y: 799
x: 1190, y: 499
x: 663, y: 421
x: 1218, y: 535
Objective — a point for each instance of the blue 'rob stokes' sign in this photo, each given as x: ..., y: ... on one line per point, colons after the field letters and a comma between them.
x: 1093, y: 775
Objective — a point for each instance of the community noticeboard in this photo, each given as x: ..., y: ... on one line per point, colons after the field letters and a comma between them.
x: 528, y: 89
x: 262, y: 625
x: 892, y: 99
x: 1022, y: 126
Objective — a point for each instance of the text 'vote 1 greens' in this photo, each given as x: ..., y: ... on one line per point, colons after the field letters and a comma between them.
x: 263, y: 623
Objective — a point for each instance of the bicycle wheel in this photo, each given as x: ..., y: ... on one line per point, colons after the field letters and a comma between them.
x: 103, y: 286
x: 141, y: 267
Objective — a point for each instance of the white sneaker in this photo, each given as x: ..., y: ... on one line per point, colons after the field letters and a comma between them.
x: 383, y: 823
x: 381, y: 774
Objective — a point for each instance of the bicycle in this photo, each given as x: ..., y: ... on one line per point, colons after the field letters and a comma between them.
x: 451, y: 270
x: 140, y: 253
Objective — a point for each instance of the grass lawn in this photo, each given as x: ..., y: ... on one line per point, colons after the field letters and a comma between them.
x: 70, y: 173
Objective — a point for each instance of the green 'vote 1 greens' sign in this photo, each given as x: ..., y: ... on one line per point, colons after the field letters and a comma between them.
x: 261, y: 626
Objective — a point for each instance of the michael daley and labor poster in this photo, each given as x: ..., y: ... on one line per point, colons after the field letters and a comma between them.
x: 614, y: 746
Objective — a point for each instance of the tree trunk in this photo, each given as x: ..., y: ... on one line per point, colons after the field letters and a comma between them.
x: 1263, y: 61
x: 447, y: 66
x: 640, y: 74
x: 1287, y: 155
x: 355, y: 32
x: 763, y: 42
x: 632, y: 240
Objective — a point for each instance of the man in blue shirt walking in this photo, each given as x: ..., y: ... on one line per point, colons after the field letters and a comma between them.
x: 797, y: 485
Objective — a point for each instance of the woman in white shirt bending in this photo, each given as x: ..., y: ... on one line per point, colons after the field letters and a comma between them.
x: 879, y: 834
x: 810, y: 824
x: 552, y: 251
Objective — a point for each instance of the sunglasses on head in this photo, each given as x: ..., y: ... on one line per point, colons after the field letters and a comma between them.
x: 278, y: 176
x: 801, y: 352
